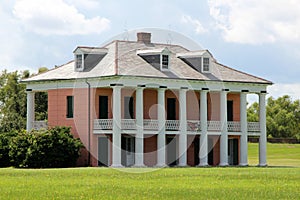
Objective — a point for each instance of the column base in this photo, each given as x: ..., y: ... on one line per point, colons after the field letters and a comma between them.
x: 161, y: 165
x: 223, y: 164
x: 117, y: 166
x: 139, y: 166
x: 262, y: 165
x: 203, y: 165
x: 243, y: 164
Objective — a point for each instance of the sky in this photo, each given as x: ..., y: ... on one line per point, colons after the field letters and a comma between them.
x: 260, y: 37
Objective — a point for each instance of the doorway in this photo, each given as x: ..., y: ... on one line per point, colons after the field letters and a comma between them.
x: 233, y: 151
x: 210, y: 148
x: 103, y: 151
x: 171, y: 150
x: 229, y: 111
x: 128, y: 108
x: 103, y: 107
x: 171, y: 109
x: 128, y: 150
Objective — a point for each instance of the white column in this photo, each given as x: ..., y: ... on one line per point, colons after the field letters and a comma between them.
x: 182, y: 128
x: 30, y: 110
x: 161, y: 137
x: 139, y: 137
x: 203, y: 136
x: 116, y: 150
x: 263, y: 131
x: 224, y: 134
x: 244, y: 131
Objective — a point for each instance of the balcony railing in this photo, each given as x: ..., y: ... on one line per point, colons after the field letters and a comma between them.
x: 193, y: 125
x: 103, y: 124
x: 128, y: 124
x: 170, y: 125
x: 37, y: 125
x: 150, y: 124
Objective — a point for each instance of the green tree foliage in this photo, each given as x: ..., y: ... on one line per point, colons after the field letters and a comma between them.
x: 54, y: 147
x: 4, y: 148
x: 12, y: 102
x: 283, y: 117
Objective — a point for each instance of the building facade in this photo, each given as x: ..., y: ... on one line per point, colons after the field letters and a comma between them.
x: 138, y: 103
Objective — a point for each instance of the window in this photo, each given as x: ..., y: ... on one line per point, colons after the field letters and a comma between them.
x: 206, y: 64
x: 79, y: 64
x: 165, y: 62
x: 70, y: 106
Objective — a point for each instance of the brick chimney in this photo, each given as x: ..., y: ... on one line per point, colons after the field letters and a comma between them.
x: 144, y: 37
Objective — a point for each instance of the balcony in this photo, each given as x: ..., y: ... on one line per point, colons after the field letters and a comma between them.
x: 173, y: 125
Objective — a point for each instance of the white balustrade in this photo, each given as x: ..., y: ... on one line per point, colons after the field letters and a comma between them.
x: 128, y: 124
x: 193, y: 125
x: 37, y: 125
x: 103, y: 124
x: 150, y: 124
x: 253, y: 127
x: 172, y: 125
x: 213, y: 125
x: 234, y: 126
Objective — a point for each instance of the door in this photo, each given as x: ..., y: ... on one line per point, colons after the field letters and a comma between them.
x: 229, y: 111
x: 128, y: 108
x: 210, y: 149
x: 196, y: 150
x: 171, y: 109
x: 128, y: 150
x: 233, y: 151
x: 171, y: 151
x: 103, y: 107
x: 103, y: 151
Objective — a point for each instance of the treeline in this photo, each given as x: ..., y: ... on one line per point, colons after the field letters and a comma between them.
x: 283, y: 117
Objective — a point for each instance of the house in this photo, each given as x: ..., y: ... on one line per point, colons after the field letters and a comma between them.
x: 138, y: 103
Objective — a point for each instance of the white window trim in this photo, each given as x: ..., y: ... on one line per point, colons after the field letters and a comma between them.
x: 161, y: 62
x: 82, y: 62
x: 202, y: 65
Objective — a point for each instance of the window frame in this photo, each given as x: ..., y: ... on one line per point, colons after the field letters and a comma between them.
x: 205, y: 65
x: 70, y: 108
x: 77, y: 62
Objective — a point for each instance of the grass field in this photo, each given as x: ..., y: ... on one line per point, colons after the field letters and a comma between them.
x: 169, y: 183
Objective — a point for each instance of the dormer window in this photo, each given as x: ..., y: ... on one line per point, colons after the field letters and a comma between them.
x: 205, y: 66
x: 199, y: 60
x: 158, y: 58
x: 79, y: 61
x: 88, y: 57
x: 164, y: 62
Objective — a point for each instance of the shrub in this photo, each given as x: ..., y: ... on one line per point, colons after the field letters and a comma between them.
x: 4, y: 148
x: 54, y: 147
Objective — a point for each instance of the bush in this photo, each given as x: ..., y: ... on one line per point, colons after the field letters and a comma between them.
x: 54, y: 147
x: 4, y: 148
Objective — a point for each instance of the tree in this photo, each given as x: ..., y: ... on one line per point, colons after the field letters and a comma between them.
x: 283, y: 117
x: 13, y: 102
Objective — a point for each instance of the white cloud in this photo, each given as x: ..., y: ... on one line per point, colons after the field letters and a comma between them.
x: 56, y: 17
x: 186, y: 19
x: 87, y: 4
x: 256, y: 21
x: 280, y: 89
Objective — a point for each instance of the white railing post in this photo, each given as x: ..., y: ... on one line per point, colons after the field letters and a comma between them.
x: 244, y: 131
x: 224, y: 134
x: 116, y: 150
x: 161, y: 137
x: 203, y: 136
x: 139, y: 138
x: 182, y: 127
x: 263, y: 131
x: 30, y: 109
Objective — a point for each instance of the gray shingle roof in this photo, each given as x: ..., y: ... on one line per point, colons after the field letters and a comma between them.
x: 122, y: 59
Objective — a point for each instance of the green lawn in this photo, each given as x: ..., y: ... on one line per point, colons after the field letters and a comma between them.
x: 277, y: 154
x: 169, y: 183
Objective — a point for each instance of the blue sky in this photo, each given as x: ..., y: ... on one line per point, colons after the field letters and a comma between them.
x: 261, y: 37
